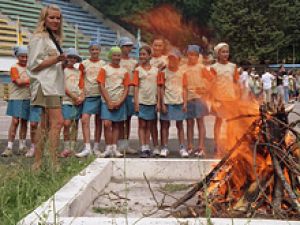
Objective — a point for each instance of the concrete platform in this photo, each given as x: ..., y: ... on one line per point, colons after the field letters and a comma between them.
x: 68, y: 205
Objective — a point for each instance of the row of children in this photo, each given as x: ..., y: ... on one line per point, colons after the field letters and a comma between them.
x: 155, y: 85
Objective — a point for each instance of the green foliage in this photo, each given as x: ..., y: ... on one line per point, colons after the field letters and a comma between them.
x: 196, y: 10
x: 255, y: 30
x: 22, y: 190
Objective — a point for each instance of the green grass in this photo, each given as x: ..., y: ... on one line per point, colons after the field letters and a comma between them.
x: 22, y: 190
x: 109, y: 210
x: 172, y: 187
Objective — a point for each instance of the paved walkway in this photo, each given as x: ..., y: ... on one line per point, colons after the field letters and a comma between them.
x: 209, y: 123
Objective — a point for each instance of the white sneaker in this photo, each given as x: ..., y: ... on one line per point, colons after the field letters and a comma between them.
x: 84, y: 153
x: 107, y: 153
x: 183, y: 153
x: 30, y: 153
x: 116, y: 152
x: 164, y: 152
x: 156, y: 151
x: 97, y: 152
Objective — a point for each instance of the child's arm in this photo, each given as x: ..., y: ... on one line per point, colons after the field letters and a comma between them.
x: 103, y: 91
x: 184, y: 94
x: 135, y: 82
x: 125, y: 92
x: 161, y: 92
x: 15, y: 77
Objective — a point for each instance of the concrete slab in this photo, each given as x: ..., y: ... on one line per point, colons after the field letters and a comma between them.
x: 71, y: 201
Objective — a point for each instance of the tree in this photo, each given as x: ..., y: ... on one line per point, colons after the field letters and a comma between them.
x: 256, y: 30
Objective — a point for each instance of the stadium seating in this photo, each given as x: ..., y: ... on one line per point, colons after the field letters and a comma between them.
x: 28, y: 12
x: 8, y: 37
x: 90, y: 26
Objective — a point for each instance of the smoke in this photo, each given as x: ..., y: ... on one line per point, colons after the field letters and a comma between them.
x: 167, y: 22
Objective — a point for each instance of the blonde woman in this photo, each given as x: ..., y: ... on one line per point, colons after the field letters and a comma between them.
x: 45, y: 68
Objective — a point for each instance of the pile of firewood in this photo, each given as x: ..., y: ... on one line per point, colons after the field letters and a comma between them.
x: 259, y: 176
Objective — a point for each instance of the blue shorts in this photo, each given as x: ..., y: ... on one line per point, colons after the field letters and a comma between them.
x: 92, y: 105
x: 71, y: 112
x: 116, y: 115
x: 174, y: 113
x: 35, y: 113
x: 147, y: 112
x: 130, y: 106
x: 196, y: 108
x: 19, y: 109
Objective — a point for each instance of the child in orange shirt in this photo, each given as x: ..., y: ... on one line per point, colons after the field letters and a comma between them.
x: 19, y: 102
x: 173, y: 99
x: 113, y: 81
x: 129, y: 64
x: 72, y: 102
x: 92, y: 101
x: 196, y: 76
x: 145, y: 98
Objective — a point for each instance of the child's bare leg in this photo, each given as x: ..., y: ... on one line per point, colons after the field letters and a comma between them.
x: 164, y: 132
x: 190, y: 133
x: 142, y: 131
x: 154, y: 132
x: 85, y: 120
x: 201, y: 133
x: 217, y: 131
x: 67, y: 125
x: 23, y: 129
x: 40, y: 139
x: 13, y: 129
x: 108, y: 132
x: 98, y: 128
x: 115, y: 132
x: 180, y: 132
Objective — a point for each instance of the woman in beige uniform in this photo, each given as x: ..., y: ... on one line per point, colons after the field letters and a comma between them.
x: 46, y: 79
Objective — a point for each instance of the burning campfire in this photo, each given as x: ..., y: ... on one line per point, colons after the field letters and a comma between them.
x: 258, y: 176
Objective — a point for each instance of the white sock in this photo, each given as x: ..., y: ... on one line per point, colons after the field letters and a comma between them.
x: 32, y: 146
x: 108, y: 147
x: 87, y: 146
x: 67, y: 145
x: 114, y: 147
x: 21, y: 144
x: 144, y: 147
x: 96, y: 146
x: 10, y: 145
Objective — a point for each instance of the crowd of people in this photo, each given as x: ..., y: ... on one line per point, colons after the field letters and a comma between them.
x: 271, y: 84
x: 52, y: 92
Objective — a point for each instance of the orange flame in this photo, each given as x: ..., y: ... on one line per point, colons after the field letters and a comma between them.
x: 167, y: 22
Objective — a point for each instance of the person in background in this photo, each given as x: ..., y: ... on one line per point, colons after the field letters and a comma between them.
x: 92, y: 102
x: 285, y: 84
x: 113, y: 81
x: 279, y: 80
x: 72, y: 102
x: 19, y: 102
x: 274, y: 88
x: 292, y: 85
x: 45, y: 69
x: 266, y: 80
x: 129, y: 64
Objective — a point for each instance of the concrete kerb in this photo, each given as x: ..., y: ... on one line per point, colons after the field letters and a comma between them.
x: 72, y: 200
